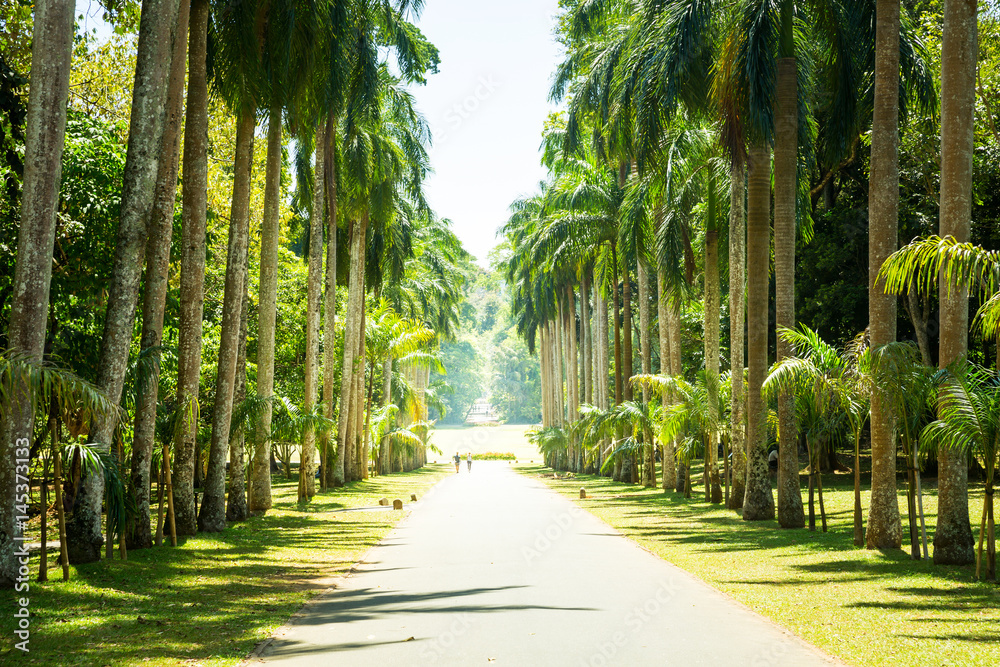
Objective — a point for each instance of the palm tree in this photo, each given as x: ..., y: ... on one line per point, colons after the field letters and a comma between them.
x: 285, y: 55
x: 391, y: 340
x: 692, y: 419
x: 153, y: 58
x: 758, y: 503
x: 896, y: 373
x: 815, y: 377
x: 192, y: 297
x: 883, y: 213
x: 958, y: 265
x: 161, y: 227
x: 52, y: 45
x: 969, y: 422
x: 959, y: 56
x: 235, y: 70
x: 53, y: 393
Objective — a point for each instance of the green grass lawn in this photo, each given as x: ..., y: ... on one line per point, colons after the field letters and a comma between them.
x: 214, y: 597
x: 866, y: 608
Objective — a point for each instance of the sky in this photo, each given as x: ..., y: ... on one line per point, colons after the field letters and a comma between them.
x: 486, y: 107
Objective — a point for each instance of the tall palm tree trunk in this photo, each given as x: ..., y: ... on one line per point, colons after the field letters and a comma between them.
x: 212, y: 516
x: 790, y: 511
x: 333, y: 471
x: 549, y: 352
x: 311, y: 388
x: 628, y: 364
x: 260, y: 487
x: 543, y: 361
x: 668, y: 456
x: 149, y: 93
x: 604, y: 322
x: 52, y: 43
x: 385, y: 451
x: 713, y: 492
x: 353, y: 364
x: 682, y: 481
x: 161, y: 228
x: 758, y: 503
x: 646, y: 354
x: 366, y: 429
x: 192, y: 291
x: 572, y: 380
x: 361, y: 411
x: 884, y: 529
x: 236, y: 499
x: 737, y: 320
x: 560, y: 367
x: 953, y: 543
x: 586, y: 339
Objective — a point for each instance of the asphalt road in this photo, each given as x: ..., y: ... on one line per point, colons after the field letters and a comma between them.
x: 494, y: 568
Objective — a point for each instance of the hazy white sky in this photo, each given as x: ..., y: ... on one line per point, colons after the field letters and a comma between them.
x: 487, y: 107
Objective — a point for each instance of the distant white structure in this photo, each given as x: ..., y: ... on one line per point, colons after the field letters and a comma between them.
x: 481, y: 412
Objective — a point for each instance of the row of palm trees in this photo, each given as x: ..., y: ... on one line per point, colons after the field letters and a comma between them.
x: 330, y: 74
x: 670, y: 105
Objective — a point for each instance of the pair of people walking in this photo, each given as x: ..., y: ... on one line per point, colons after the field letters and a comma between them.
x: 468, y: 460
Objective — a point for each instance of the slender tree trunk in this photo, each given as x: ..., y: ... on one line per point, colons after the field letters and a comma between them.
x: 353, y: 363
x: 619, y: 373
x: 543, y: 365
x: 60, y: 510
x: 884, y: 530
x: 192, y: 291
x: 365, y: 440
x: 628, y: 355
x: 666, y: 368
x: 758, y: 503
x: 385, y: 449
x: 212, y: 516
x: 149, y: 93
x: 677, y: 368
x: 52, y: 43
x: 628, y: 359
x: 560, y: 366
x: 785, y: 190
x: 311, y: 389
x: 236, y: 501
x: 737, y: 321
x: 357, y: 427
x: 161, y: 227
x: 260, y: 488
x: 586, y: 339
x: 333, y: 471
x: 713, y: 490
x: 645, y: 351
x: 573, y: 378
x: 859, y: 533
x: 920, y: 504
x: 953, y: 543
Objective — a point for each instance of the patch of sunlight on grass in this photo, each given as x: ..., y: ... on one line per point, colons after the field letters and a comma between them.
x: 865, y: 607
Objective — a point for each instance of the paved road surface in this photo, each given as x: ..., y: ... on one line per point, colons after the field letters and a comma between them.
x: 494, y: 568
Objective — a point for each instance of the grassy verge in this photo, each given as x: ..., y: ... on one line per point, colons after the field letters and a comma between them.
x: 214, y: 597
x: 867, y: 608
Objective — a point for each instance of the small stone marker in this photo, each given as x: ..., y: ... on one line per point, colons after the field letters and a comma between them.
x: 583, y: 492
x: 397, y: 504
x: 383, y: 501
x: 413, y: 497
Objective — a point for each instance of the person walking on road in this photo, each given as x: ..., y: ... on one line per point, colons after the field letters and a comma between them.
x: 468, y: 460
x: 458, y: 461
